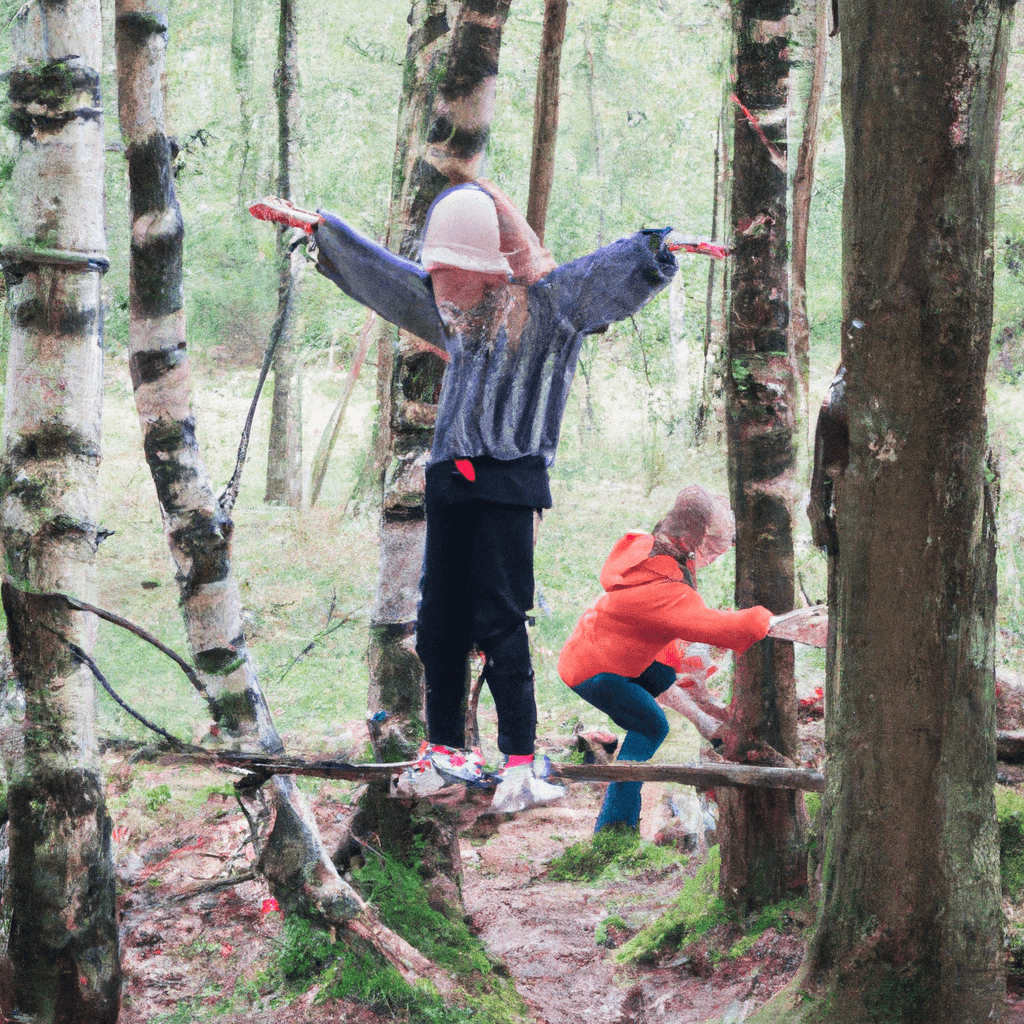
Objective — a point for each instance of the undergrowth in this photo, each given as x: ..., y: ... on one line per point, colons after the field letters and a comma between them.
x: 696, y: 910
x: 614, y: 849
x: 397, y: 891
x: 348, y: 970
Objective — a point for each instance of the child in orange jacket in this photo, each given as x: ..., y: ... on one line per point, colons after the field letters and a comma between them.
x: 624, y: 652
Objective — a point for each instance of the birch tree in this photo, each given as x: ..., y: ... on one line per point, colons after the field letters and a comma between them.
x: 909, y: 928
x: 763, y: 848
x: 63, y: 940
x: 445, y: 116
x: 198, y: 527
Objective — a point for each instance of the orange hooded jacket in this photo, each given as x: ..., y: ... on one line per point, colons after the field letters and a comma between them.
x: 646, y: 607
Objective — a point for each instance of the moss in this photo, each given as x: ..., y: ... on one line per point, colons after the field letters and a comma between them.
x: 398, y: 893
x: 695, y: 912
x: 615, y: 849
x: 308, y: 956
x: 1010, y: 817
x: 779, y: 916
x: 587, y: 861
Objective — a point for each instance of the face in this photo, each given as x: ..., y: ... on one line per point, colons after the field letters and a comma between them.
x: 464, y: 289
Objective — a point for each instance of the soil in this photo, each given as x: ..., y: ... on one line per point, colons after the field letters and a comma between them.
x: 187, y: 952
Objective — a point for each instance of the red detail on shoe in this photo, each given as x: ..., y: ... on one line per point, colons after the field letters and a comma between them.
x: 466, y: 468
x: 515, y: 760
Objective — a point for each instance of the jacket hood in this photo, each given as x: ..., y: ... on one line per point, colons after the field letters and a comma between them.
x: 629, y: 563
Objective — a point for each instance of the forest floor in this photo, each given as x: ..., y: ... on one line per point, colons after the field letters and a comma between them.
x: 192, y: 956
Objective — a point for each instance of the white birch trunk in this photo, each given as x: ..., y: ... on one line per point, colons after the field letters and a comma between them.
x: 63, y: 942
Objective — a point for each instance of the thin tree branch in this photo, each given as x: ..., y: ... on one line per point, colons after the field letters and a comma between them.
x: 95, y: 670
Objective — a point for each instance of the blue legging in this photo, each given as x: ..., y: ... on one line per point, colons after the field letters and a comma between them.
x: 630, y: 704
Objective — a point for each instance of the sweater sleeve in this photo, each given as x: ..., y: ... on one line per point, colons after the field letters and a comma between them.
x: 397, y: 289
x: 688, y: 618
x: 614, y: 282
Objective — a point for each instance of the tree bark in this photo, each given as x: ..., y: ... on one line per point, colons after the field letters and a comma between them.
x: 910, y: 921
x: 763, y: 832
x: 284, y: 458
x: 545, y: 115
x: 803, y: 187
x: 63, y: 938
x: 198, y: 529
x: 444, y: 122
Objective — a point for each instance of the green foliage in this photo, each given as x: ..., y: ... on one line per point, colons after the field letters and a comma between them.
x: 614, y: 850
x: 1010, y: 817
x: 307, y: 955
x: 157, y: 797
x: 397, y: 891
x: 696, y: 911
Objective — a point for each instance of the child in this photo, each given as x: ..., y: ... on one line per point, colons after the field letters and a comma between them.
x: 624, y: 654
x: 511, y: 323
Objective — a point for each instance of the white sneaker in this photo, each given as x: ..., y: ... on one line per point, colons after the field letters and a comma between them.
x: 461, y: 765
x: 438, y: 767
x: 519, y: 788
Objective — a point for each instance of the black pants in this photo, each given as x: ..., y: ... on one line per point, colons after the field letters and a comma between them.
x: 476, y: 589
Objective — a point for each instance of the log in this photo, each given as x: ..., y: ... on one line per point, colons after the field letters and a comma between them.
x: 703, y: 776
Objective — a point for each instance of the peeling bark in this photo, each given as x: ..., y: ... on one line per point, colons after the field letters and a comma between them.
x: 60, y: 895
x: 198, y: 529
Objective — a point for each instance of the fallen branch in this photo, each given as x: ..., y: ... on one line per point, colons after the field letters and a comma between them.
x: 703, y: 776
x: 215, y: 885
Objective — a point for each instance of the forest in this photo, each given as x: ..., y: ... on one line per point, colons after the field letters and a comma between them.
x: 209, y: 589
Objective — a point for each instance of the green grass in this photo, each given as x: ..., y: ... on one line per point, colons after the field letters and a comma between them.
x: 612, y: 852
x: 1010, y: 817
x: 696, y: 911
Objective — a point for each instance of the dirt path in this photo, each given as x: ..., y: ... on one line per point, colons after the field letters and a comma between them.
x: 545, y: 930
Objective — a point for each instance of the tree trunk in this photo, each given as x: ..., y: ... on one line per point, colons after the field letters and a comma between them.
x: 444, y: 121
x: 763, y: 842
x: 244, y: 18
x: 284, y: 458
x: 198, y: 529
x: 63, y: 939
x: 910, y: 921
x: 545, y: 115
x: 803, y: 187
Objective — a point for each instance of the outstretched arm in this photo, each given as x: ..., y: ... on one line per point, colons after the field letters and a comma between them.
x: 397, y: 289
x: 614, y: 282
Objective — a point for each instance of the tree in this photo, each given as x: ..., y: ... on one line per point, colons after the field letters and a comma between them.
x: 545, y: 114
x: 63, y: 939
x: 445, y: 116
x: 910, y: 921
x: 284, y: 458
x: 815, y: 19
x: 763, y: 844
x: 198, y: 527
